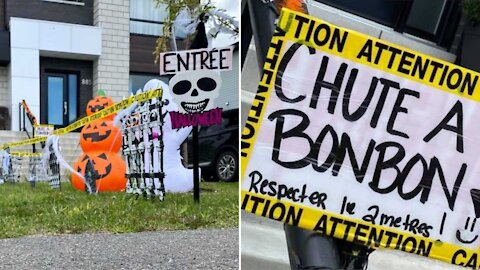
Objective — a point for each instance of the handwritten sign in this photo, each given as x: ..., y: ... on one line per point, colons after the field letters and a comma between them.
x: 43, y: 130
x: 366, y: 141
x: 218, y: 59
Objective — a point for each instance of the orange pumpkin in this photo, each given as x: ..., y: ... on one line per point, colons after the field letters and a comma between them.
x: 109, y: 167
x: 101, y: 135
x: 99, y: 103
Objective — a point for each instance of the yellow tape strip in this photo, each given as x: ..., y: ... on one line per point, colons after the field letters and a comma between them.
x: 355, y: 230
x: 380, y: 54
x: 25, y: 154
x: 142, y: 97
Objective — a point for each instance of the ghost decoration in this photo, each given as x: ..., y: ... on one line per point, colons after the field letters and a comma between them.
x: 184, y: 24
x: 177, y: 177
x: 195, y: 91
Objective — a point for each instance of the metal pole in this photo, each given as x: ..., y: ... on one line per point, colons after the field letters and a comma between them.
x: 262, y: 22
x: 247, y: 34
x: 196, y: 176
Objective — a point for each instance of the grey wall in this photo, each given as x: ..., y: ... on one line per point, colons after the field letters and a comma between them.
x: 49, y: 11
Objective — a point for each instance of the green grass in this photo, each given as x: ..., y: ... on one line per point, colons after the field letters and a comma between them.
x: 40, y: 210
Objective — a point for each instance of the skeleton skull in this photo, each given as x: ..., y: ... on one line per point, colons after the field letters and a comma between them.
x: 195, y: 91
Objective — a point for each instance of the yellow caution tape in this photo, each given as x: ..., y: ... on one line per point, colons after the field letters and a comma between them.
x: 25, y: 154
x: 142, y: 97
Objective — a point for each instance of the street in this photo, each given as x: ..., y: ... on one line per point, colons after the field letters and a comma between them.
x: 194, y: 249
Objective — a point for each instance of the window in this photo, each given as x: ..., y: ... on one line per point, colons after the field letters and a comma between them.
x: 433, y: 20
x: 146, y: 18
x: 70, y: 2
x: 138, y: 81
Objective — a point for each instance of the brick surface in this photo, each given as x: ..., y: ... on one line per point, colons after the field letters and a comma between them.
x: 4, y: 93
x: 111, y: 70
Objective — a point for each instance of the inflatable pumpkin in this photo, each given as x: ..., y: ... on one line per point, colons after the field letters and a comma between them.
x: 109, y: 169
x: 101, y: 135
x: 99, y: 103
x: 100, y: 141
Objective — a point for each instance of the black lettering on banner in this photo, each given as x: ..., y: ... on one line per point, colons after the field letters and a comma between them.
x: 383, y: 164
x: 469, y: 84
x: 413, y: 225
x: 435, y: 66
x: 405, y: 61
x: 460, y: 257
x: 321, y: 37
x: 267, y: 76
x: 334, y: 88
x: 287, y: 57
x: 320, y: 33
x: 457, y: 110
x: 362, y: 108
x: 426, y: 179
x: 277, y: 47
x: 420, y: 67
x: 263, y: 186
x: 444, y: 73
x: 394, y: 52
x: 248, y: 133
x: 451, y: 197
x: 368, y: 235
x: 315, y: 149
x: 204, y: 59
x: 387, y: 84
x: 301, y: 20
x: 165, y: 62
x: 337, y: 156
x: 346, y: 147
x: 297, y: 131
x: 182, y: 62
x: 347, y: 206
x: 366, y: 51
x: 397, y: 108
x: 273, y: 209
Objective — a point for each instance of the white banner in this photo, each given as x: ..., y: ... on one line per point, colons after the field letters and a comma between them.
x: 217, y: 59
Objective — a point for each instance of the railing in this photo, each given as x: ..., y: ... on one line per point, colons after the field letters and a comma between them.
x: 24, y: 112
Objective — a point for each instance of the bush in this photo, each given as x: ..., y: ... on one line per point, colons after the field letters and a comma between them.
x: 471, y: 10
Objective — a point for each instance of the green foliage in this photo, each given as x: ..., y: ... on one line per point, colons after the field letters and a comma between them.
x: 100, y: 92
x: 471, y: 10
x: 174, y: 7
x: 40, y: 210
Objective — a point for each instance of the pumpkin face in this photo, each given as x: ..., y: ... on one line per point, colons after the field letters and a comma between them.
x: 101, y: 135
x: 109, y: 168
x: 98, y: 103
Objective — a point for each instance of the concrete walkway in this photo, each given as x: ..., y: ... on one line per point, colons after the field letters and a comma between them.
x: 196, y: 249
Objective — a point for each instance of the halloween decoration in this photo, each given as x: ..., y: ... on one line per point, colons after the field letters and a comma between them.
x: 99, y: 103
x: 36, y: 172
x: 177, y: 177
x: 195, y: 91
x: 188, y: 17
x: 105, y: 168
x: 143, y: 146
x: 5, y: 161
x: 12, y: 174
x: 100, y: 168
x: 101, y: 135
x: 296, y: 5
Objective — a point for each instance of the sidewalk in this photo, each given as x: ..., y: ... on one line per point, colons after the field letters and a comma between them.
x: 264, y: 247
x: 188, y: 249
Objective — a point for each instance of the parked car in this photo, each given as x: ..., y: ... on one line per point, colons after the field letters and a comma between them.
x: 218, y: 147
